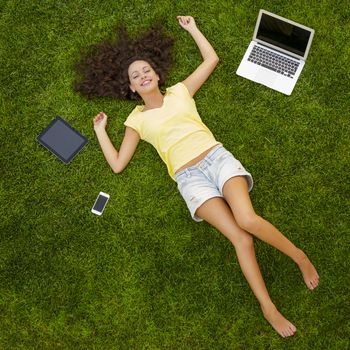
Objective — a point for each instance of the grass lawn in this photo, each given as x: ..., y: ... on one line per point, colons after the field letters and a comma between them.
x: 144, y: 275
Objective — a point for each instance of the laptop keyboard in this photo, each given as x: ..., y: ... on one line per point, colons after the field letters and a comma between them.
x: 273, y: 61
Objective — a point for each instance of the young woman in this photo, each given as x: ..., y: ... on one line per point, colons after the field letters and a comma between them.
x: 213, y: 183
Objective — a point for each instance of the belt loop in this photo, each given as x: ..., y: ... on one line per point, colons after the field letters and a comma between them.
x: 188, y: 173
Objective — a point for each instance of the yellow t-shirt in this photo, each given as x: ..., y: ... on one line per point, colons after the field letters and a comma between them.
x: 175, y: 129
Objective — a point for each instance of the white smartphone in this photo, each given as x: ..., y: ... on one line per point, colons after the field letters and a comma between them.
x: 100, y: 203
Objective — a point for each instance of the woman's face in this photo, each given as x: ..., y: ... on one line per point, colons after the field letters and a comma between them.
x: 142, y: 77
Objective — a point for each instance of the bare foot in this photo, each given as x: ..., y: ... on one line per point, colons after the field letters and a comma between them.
x: 309, y: 272
x: 281, y: 325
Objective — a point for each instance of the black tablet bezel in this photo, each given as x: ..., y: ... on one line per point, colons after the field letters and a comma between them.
x: 59, y: 156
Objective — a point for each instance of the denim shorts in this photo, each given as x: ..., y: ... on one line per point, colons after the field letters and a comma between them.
x: 206, y: 179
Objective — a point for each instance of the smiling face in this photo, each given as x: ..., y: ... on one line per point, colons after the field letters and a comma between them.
x: 143, y: 79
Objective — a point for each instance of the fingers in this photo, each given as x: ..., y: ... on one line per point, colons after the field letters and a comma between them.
x: 185, y: 20
x: 99, y: 117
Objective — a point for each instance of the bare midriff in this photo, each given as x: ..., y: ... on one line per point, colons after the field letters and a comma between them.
x: 195, y: 160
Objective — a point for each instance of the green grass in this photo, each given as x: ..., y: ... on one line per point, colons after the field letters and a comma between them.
x: 144, y: 275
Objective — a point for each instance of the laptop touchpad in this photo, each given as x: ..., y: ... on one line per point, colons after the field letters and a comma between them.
x: 265, y: 77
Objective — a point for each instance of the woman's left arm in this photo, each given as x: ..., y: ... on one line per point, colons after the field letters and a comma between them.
x: 210, y: 59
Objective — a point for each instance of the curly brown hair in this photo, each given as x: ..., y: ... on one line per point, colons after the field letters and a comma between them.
x: 103, y: 70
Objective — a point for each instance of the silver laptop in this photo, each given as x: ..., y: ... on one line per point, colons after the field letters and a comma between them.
x: 277, y: 54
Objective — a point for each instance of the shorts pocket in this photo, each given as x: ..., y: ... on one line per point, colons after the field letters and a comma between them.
x: 181, y: 182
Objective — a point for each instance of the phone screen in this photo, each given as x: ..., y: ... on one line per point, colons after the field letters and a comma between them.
x: 100, y: 203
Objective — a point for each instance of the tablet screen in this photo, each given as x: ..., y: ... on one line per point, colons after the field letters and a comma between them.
x: 62, y: 140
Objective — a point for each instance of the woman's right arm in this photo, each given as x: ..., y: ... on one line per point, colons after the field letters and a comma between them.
x: 117, y: 160
x: 210, y: 59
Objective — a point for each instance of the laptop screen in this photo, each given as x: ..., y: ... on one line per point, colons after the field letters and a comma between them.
x: 282, y: 34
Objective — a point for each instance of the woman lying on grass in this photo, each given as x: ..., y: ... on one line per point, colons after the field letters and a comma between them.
x: 214, y: 185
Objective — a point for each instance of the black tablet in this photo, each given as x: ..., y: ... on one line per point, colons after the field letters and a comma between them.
x: 62, y: 140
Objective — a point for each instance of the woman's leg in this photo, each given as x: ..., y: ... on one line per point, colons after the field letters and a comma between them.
x: 217, y: 213
x: 237, y: 196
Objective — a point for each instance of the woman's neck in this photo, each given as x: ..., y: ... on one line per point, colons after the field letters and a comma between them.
x: 153, y: 100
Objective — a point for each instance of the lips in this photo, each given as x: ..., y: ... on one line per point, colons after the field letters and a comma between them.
x: 146, y: 82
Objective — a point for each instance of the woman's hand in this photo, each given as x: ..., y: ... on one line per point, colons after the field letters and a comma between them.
x: 100, y: 121
x: 187, y: 22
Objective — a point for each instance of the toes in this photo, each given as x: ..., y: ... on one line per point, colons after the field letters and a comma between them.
x: 293, y: 329
x: 290, y: 331
x: 314, y: 283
